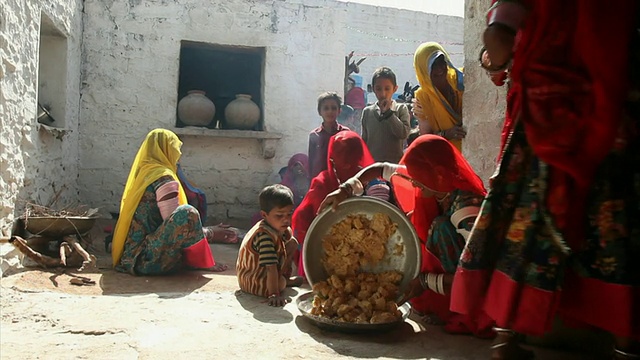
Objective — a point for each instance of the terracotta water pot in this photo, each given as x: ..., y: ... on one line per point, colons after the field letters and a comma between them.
x: 242, y: 113
x: 196, y: 109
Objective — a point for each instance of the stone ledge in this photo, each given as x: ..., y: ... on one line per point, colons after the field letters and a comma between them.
x: 58, y: 133
x: 268, y: 140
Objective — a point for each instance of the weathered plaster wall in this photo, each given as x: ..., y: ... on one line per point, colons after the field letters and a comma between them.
x: 484, y: 103
x: 34, y: 163
x: 130, y: 79
x: 389, y: 37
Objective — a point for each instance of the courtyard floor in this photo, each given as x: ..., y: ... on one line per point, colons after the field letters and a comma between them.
x: 191, y: 315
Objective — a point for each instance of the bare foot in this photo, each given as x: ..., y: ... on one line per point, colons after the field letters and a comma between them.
x: 295, y: 281
x: 218, y: 267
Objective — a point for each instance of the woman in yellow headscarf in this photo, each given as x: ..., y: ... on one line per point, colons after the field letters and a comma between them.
x: 157, y: 231
x: 438, y: 102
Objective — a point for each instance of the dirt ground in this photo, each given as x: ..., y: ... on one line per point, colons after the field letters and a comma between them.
x: 191, y: 315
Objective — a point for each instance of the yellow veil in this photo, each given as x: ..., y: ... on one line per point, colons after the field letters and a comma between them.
x: 440, y: 114
x: 158, y: 156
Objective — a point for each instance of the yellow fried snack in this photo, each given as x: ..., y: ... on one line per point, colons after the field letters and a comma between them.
x: 356, y: 241
x: 363, y: 298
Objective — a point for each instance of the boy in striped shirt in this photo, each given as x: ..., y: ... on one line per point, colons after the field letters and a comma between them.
x: 265, y: 257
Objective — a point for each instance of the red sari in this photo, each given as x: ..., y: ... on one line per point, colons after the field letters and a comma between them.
x: 539, y: 250
x: 438, y: 165
x: 347, y: 155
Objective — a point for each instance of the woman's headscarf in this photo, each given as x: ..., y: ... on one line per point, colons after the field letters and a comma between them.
x: 347, y: 155
x: 438, y: 165
x: 440, y: 114
x: 288, y: 179
x: 158, y: 156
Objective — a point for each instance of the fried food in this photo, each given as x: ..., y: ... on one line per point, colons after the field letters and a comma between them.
x: 356, y: 241
x: 364, y: 298
x: 349, y: 294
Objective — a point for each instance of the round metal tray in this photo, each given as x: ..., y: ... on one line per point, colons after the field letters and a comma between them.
x: 407, y: 262
x: 59, y: 225
x: 305, y: 304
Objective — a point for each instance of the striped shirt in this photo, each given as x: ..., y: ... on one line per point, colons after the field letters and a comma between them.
x: 262, y: 246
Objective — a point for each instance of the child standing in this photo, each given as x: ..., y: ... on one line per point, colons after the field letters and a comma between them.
x: 328, y: 108
x: 266, y: 253
x: 385, y: 124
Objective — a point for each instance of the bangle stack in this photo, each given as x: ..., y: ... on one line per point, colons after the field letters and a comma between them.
x: 353, y: 186
x: 433, y: 282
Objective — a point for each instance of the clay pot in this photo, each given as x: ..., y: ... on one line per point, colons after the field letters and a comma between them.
x: 196, y: 109
x: 242, y: 113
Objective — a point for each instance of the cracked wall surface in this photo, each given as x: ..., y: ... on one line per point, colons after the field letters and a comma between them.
x: 35, y: 164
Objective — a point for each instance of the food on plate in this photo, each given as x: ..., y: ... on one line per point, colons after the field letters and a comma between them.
x: 356, y: 241
x: 363, y: 298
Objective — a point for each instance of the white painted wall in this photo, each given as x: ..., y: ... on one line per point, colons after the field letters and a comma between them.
x: 389, y: 37
x: 130, y: 77
x: 34, y: 164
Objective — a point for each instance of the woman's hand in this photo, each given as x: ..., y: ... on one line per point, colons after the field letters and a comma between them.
x: 277, y: 300
x: 333, y: 199
x: 417, y: 110
x: 498, y: 41
x: 415, y: 289
x: 455, y: 133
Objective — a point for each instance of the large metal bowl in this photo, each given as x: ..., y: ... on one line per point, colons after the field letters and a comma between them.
x: 406, y: 262
x: 305, y: 304
x: 56, y: 226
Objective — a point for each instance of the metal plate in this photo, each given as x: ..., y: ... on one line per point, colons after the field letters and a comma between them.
x: 305, y: 304
x: 407, y: 262
x: 59, y: 225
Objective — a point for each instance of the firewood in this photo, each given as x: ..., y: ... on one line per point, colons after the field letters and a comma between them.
x: 89, y: 260
x: 64, y: 250
x: 42, y: 260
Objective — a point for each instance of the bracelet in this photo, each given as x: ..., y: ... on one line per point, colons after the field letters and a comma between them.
x: 491, y: 69
x: 273, y: 296
x: 347, y: 188
x: 355, y: 185
x: 423, y: 281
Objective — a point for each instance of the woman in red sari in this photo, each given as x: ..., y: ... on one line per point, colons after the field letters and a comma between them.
x: 443, y: 193
x: 559, y: 231
x: 346, y: 156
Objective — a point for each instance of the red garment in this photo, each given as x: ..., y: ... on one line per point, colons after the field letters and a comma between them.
x: 347, y: 154
x: 198, y: 255
x: 318, y: 147
x: 569, y: 82
x: 355, y: 98
x: 438, y: 165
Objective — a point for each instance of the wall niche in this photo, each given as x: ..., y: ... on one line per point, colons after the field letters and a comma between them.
x: 221, y: 72
x: 52, y: 74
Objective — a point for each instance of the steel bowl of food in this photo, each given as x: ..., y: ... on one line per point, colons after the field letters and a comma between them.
x: 401, y: 252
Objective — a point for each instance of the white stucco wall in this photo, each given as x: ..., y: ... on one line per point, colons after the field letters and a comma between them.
x: 389, y: 37
x: 130, y: 77
x: 484, y: 103
x: 34, y: 163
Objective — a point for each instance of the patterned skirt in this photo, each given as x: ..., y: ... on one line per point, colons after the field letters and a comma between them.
x: 516, y: 259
